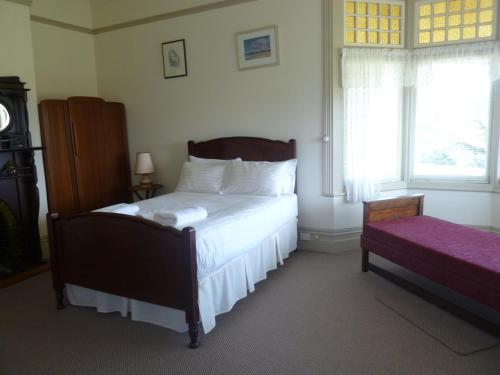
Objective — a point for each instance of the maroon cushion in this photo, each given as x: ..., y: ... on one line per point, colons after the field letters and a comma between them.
x: 471, y: 253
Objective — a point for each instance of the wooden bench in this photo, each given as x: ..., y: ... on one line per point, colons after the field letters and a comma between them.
x: 464, y: 259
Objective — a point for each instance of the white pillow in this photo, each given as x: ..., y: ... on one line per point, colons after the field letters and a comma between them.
x: 201, y: 178
x: 196, y: 159
x: 288, y: 187
x: 254, y: 178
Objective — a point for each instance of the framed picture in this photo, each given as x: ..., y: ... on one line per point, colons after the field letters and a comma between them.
x: 174, y: 59
x: 258, y: 48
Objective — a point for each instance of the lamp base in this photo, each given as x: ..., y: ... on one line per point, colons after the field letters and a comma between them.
x: 146, y: 181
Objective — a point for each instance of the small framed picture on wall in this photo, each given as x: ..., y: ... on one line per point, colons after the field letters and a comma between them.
x: 258, y: 48
x: 174, y: 59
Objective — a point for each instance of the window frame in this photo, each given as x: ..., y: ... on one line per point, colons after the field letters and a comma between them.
x: 402, y: 40
x: 416, y: 18
x: 457, y: 183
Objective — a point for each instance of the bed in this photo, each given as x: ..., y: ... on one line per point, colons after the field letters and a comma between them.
x: 461, y: 258
x: 177, y: 278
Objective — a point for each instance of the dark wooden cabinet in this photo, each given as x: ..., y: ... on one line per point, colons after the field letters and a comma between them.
x: 86, y: 159
x: 19, y: 200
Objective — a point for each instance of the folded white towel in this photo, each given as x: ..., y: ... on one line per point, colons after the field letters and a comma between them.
x: 121, y: 208
x: 180, y: 218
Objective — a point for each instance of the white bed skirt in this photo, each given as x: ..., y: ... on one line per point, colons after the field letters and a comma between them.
x: 217, y: 292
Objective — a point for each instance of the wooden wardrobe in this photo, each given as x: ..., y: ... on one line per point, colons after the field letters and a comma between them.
x: 86, y: 154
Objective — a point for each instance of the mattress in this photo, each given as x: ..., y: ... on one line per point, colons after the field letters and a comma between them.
x: 235, y: 223
x: 454, y: 248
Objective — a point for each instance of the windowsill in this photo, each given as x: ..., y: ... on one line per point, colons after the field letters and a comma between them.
x: 452, y: 186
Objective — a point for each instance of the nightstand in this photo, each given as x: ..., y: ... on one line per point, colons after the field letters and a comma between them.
x: 149, y: 191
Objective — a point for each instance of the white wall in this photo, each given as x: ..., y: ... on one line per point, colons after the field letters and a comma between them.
x: 64, y: 62
x: 111, y: 12
x: 74, y: 12
x: 217, y: 99
x: 495, y: 211
x: 16, y: 59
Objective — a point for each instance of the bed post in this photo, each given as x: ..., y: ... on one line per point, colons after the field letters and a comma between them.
x: 57, y: 283
x: 192, y: 311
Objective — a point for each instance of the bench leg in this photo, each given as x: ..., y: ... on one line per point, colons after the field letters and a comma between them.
x: 364, y: 260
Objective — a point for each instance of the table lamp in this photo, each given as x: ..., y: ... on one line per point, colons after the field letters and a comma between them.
x: 144, y: 166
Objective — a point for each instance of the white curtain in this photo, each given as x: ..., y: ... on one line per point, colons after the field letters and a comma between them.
x: 372, y: 81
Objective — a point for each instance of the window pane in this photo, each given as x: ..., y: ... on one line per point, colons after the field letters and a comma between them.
x: 452, y: 122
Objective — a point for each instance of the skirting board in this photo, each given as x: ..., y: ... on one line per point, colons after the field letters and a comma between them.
x: 344, y: 239
x: 330, y: 242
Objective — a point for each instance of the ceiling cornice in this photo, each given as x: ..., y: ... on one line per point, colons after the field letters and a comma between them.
x: 141, y: 21
x: 22, y: 2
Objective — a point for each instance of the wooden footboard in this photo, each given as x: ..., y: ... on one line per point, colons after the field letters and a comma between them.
x: 127, y: 256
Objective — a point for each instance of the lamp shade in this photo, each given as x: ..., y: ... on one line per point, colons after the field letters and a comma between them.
x: 143, y: 163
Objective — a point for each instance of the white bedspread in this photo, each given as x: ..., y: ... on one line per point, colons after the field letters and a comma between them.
x: 235, y: 223
x: 242, y: 239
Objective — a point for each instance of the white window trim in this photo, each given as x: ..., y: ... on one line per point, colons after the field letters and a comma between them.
x: 461, y: 41
x: 402, y: 39
x: 466, y: 183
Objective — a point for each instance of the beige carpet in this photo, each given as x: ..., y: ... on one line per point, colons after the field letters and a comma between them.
x: 316, y: 315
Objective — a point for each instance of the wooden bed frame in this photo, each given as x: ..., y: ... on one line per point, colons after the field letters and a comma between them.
x: 407, y: 206
x: 140, y: 259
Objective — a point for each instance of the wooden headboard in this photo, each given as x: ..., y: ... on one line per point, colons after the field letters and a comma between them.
x: 246, y: 148
x: 393, y: 208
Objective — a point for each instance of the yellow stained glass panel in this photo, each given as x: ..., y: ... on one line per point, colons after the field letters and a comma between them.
x: 454, y: 34
x: 372, y: 37
x: 439, y: 22
x: 372, y: 9
x: 425, y: 10
x: 372, y: 23
x: 454, y: 20
x: 470, y: 18
x: 486, y: 4
x: 361, y: 37
x: 349, y: 6
x: 384, y: 9
x: 349, y: 36
x: 424, y: 37
x: 469, y: 32
x: 438, y: 36
x: 485, y: 31
x: 395, y: 10
x: 455, y: 6
x: 361, y: 7
x: 361, y: 22
x: 424, y: 24
x: 384, y: 24
x: 384, y: 37
x: 395, y: 24
x: 486, y: 16
x: 440, y: 8
x: 395, y: 38
x: 470, y: 4
x: 349, y: 22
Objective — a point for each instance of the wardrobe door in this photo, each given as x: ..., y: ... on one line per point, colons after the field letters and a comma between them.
x: 86, y: 117
x: 58, y: 157
x: 115, y: 163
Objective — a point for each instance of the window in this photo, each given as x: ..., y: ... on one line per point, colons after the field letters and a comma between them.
x: 374, y: 23
x: 452, y: 121
x: 454, y: 21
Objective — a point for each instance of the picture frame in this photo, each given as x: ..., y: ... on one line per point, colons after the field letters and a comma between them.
x: 258, y: 48
x: 174, y: 59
